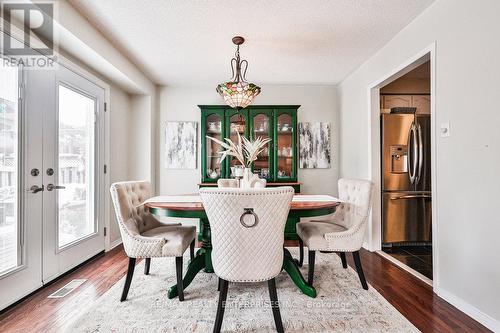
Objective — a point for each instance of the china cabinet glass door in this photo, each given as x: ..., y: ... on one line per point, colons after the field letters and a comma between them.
x: 261, y: 126
x: 213, y: 127
x: 237, y: 123
x: 285, y: 145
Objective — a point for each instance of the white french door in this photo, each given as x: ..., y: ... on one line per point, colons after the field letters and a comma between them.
x: 72, y: 227
x: 21, y: 199
x: 51, y: 176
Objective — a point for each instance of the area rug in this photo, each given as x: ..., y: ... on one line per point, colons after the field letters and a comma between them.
x: 341, y: 305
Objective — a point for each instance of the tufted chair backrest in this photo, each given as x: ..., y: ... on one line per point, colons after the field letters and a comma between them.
x: 247, y: 247
x: 356, y: 195
x: 132, y: 217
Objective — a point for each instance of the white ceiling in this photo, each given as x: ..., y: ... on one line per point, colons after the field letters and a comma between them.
x: 287, y: 41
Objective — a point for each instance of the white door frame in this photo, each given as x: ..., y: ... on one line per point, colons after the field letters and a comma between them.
x: 374, y: 238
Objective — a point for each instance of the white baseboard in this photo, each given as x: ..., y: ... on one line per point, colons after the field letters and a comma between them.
x: 475, y: 313
x: 114, y: 244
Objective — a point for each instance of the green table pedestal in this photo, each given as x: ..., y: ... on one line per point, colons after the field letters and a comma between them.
x: 203, y: 260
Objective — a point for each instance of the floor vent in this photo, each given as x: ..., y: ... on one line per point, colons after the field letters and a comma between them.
x: 67, y: 288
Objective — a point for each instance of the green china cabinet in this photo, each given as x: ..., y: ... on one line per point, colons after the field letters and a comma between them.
x: 278, y: 162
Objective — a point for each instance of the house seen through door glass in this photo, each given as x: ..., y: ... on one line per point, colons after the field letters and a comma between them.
x: 9, y: 170
x: 76, y: 165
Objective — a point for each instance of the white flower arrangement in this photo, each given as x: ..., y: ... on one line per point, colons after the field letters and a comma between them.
x: 246, y: 151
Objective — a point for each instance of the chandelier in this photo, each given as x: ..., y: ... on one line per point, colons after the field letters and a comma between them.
x: 237, y: 92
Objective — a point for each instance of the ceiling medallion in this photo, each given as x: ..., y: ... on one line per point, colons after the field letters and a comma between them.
x: 237, y: 92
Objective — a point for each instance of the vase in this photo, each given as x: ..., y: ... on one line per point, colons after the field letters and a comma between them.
x: 247, y: 178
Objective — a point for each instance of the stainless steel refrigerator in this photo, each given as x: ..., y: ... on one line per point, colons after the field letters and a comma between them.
x: 406, y: 174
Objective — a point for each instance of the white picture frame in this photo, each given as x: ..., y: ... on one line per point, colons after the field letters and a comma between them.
x: 181, y: 141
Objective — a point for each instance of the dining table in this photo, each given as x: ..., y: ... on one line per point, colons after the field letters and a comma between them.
x: 191, y: 206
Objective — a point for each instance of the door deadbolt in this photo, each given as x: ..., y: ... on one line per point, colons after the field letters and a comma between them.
x: 35, y: 172
x: 50, y: 171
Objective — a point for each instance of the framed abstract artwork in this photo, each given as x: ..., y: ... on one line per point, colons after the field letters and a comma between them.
x: 181, y: 139
x: 314, y: 145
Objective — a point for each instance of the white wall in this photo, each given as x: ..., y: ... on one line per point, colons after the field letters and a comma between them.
x: 119, y: 114
x: 78, y: 37
x: 467, y: 95
x: 318, y: 103
x: 140, y: 132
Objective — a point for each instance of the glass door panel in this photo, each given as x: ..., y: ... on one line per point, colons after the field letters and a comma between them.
x: 237, y: 125
x: 284, y: 147
x: 213, y: 129
x: 261, y: 128
x: 76, y: 165
x: 21, y: 185
x: 10, y: 252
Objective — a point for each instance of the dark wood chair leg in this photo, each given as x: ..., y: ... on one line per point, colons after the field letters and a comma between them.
x: 343, y: 258
x: 275, y: 305
x: 191, y: 250
x: 128, y: 279
x: 222, y: 304
x: 218, y: 284
x: 301, y: 253
x: 310, y: 276
x: 359, y: 269
x: 147, y: 264
x: 178, y: 272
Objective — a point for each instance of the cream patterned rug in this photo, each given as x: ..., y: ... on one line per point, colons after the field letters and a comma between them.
x: 341, y: 305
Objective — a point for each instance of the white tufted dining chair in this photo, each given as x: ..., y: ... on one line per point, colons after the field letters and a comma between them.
x: 144, y: 236
x: 344, y: 231
x: 247, y: 238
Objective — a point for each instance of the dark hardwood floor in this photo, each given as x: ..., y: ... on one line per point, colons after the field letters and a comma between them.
x: 413, y: 298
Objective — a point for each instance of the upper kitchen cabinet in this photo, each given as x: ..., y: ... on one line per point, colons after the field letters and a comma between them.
x: 393, y: 101
x: 421, y: 101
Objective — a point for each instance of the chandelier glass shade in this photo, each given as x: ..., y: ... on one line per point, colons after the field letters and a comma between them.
x: 238, y: 93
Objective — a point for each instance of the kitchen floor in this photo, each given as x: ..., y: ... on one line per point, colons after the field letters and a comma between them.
x: 417, y: 257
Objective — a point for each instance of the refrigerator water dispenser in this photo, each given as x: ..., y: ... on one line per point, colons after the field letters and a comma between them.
x: 399, y: 159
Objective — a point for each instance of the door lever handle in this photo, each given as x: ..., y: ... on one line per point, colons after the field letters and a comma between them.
x: 36, y: 189
x: 52, y: 187
x: 413, y: 196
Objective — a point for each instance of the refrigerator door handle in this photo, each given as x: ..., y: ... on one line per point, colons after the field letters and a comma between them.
x: 412, y: 196
x: 420, y: 148
x: 413, y: 157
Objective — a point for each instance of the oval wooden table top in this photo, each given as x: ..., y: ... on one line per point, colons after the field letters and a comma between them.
x: 303, y: 204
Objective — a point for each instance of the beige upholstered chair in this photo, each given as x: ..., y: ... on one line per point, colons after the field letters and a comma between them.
x: 344, y: 232
x: 143, y: 235
x: 247, y: 238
